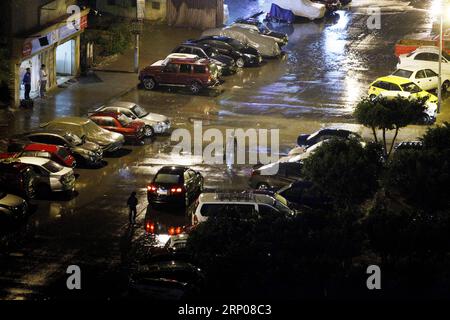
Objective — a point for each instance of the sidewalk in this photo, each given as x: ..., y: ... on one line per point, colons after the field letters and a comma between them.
x: 108, y: 82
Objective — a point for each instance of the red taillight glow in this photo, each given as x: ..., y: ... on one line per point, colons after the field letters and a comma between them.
x: 150, y: 227
x: 176, y: 190
x: 175, y: 230
x: 151, y: 188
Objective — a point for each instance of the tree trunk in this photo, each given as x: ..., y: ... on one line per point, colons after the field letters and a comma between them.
x: 375, y: 134
x: 393, y: 140
x: 384, y: 144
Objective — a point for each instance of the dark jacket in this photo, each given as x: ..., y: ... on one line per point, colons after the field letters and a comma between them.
x: 132, y: 202
x: 27, y: 78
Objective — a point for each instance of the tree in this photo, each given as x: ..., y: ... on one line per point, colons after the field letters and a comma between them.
x: 438, y: 137
x: 389, y: 114
x: 344, y: 170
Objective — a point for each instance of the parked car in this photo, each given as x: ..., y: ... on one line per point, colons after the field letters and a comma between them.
x: 163, y: 222
x: 392, y: 86
x: 266, y: 46
x: 186, y: 71
x: 308, y: 140
x: 58, y: 154
x: 202, y: 50
x: 175, y: 184
x: 243, y: 55
x: 132, y: 130
x: 18, y: 178
x: 281, y: 38
x: 166, y: 280
x: 154, y: 123
x: 12, y: 208
x: 426, y: 79
x: 245, y: 206
x: 303, y: 8
x: 87, y: 129
x: 287, y: 173
x: 50, y: 176
x: 300, y: 194
x: 85, y: 152
x: 427, y: 57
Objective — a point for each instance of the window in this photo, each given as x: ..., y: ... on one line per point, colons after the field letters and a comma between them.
x: 422, y: 56
x: 430, y: 73
x: 156, y: 5
x: 184, y: 50
x: 171, y: 68
x: 402, y: 73
x: 411, y: 87
x: 393, y: 87
x: 200, y: 53
x: 421, y: 74
x: 185, y: 68
x: 199, y: 69
x: 293, y: 169
x: 266, y: 210
x: 230, y: 210
x: 167, y: 178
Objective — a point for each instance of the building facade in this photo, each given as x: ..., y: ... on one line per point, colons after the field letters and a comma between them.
x: 152, y: 10
x: 42, y: 32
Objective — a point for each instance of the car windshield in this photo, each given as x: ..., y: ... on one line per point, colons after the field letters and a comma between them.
x: 402, y: 73
x: 410, y: 87
x: 237, y: 45
x: 53, y: 167
x: 124, y: 120
x: 73, y: 139
x: 167, y: 178
x: 281, y: 207
x: 139, y: 111
x: 91, y: 128
x: 62, y: 153
x: 211, y: 52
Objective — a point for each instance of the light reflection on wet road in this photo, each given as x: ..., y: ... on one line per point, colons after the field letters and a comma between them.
x: 326, y: 68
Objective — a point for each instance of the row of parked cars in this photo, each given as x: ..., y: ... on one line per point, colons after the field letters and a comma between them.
x: 416, y: 76
x: 199, y: 64
x: 41, y: 162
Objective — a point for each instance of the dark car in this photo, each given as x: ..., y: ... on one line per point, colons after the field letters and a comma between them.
x: 242, y: 55
x: 301, y: 193
x: 85, y: 152
x: 288, y: 172
x: 308, y: 140
x: 166, y: 280
x: 175, y: 185
x: 182, y: 71
x: 18, y: 178
x: 225, y: 63
x: 281, y: 38
x: 12, y: 209
x: 132, y: 130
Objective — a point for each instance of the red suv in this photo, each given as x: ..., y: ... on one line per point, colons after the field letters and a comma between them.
x: 132, y: 130
x: 58, y: 154
x: 185, y: 70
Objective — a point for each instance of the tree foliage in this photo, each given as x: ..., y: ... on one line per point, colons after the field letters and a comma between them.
x: 344, y: 170
x: 389, y: 114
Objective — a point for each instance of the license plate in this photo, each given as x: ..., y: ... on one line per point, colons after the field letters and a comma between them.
x: 162, y: 192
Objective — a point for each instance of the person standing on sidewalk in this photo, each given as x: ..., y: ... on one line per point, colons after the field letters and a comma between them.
x: 132, y: 203
x: 43, y: 79
x: 27, y: 83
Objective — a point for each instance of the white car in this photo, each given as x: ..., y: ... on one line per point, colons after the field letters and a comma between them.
x: 51, y: 177
x: 303, y: 8
x: 427, y: 57
x: 237, y: 205
x: 154, y: 123
x: 426, y: 79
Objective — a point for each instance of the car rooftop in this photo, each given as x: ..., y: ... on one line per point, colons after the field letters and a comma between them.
x: 173, y: 169
x: 33, y: 160
x: 76, y: 120
x: 246, y: 197
x: 121, y: 104
x: 41, y: 147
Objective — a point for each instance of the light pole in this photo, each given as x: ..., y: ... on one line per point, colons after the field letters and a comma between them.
x: 440, y: 63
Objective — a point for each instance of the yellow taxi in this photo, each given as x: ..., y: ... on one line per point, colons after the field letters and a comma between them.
x: 393, y: 85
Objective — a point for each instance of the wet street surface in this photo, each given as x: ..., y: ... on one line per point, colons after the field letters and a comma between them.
x: 325, y: 70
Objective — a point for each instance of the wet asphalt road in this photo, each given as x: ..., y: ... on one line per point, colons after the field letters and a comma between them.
x: 326, y: 68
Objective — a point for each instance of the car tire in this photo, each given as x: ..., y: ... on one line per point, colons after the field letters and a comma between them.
x: 240, y: 63
x: 445, y: 87
x: 30, y: 191
x: 148, y: 131
x: 195, y: 87
x: 426, y: 119
x: 149, y: 84
x: 372, y: 97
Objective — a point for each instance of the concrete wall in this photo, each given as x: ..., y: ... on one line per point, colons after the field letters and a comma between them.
x: 123, y: 8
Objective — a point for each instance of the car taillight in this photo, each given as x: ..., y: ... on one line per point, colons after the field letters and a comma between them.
x: 150, y: 227
x: 176, y: 190
x: 175, y: 230
x: 151, y: 188
x: 255, y: 173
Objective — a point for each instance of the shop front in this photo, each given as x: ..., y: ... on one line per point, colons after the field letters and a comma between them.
x: 58, y: 47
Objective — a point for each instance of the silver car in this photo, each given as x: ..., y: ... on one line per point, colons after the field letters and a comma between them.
x: 12, y: 207
x: 87, y: 129
x: 267, y: 46
x: 154, y: 123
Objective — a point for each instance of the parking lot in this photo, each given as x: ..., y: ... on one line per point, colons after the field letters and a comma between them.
x: 325, y: 70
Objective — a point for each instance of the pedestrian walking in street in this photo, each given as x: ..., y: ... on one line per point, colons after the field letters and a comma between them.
x: 43, y: 79
x: 27, y: 83
x: 132, y: 203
